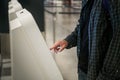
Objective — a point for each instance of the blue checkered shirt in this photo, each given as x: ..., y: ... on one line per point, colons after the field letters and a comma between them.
x: 104, y: 44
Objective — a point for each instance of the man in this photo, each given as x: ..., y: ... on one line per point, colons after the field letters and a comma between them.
x: 97, y: 37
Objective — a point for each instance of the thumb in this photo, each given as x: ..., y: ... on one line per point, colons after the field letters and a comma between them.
x: 62, y: 48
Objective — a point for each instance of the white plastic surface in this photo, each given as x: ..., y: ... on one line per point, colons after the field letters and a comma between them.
x: 14, y: 6
x: 31, y: 58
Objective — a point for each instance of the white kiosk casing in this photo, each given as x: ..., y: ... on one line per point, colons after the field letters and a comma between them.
x: 31, y: 58
x: 14, y: 6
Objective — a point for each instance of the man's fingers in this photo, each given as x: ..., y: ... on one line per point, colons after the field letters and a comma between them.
x: 57, y: 44
x: 62, y: 48
x: 51, y: 48
x: 54, y: 46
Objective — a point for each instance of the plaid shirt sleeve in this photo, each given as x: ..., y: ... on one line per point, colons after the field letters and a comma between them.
x: 72, y: 38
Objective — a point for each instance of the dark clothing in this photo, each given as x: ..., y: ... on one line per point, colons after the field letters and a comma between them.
x: 103, y: 40
x: 82, y: 75
x: 4, y: 23
x: 84, y: 53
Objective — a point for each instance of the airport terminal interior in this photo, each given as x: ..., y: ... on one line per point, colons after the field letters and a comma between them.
x: 55, y: 19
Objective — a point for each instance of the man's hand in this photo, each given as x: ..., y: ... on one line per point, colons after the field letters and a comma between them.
x: 59, y: 46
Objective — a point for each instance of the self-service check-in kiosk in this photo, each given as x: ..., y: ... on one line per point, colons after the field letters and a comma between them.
x: 31, y: 58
